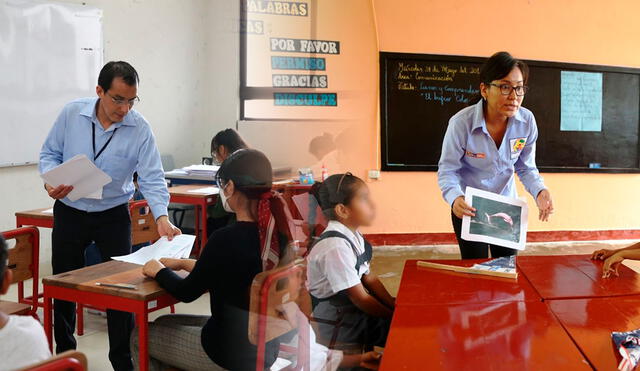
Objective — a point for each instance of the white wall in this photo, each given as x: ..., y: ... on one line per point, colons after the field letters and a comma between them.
x: 186, y: 52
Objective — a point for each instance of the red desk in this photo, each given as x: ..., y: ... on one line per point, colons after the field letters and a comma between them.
x: 517, y: 335
x: 183, y: 194
x: 35, y: 217
x: 80, y: 286
x: 575, y: 276
x: 421, y: 286
x: 591, y: 321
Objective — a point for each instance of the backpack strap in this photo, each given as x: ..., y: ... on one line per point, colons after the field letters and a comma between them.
x: 360, y: 258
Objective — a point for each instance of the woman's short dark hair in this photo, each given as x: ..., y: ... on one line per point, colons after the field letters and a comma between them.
x: 499, y: 66
x: 336, y: 189
x: 228, y: 138
x: 250, y: 171
x: 120, y: 69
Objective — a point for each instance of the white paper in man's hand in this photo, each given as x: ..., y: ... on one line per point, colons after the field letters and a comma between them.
x: 85, y: 177
x: 178, y: 248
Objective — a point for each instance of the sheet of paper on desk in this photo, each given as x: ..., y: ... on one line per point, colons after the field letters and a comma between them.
x: 85, y: 177
x: 203, y: 170
x: 48, y: 211
x: 178, y: 248
x: 205, y: 190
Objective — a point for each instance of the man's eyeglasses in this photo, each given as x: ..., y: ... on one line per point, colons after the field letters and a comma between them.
x: 122, y: 102
x: 506, y: 89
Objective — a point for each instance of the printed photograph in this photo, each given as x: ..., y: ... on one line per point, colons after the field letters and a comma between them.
x: 496, y: 219
x: 499, y: 220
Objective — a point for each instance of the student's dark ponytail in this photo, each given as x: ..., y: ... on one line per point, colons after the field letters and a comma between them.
x: 336, y: 189
x: 251, y: 173
x: 497, y: 67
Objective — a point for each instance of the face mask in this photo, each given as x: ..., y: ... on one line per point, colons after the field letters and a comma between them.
x: 225, y: 200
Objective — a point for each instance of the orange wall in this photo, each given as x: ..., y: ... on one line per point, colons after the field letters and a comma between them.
x: 581, y: 31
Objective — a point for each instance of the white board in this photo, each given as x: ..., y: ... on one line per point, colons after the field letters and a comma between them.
x: 50, y: 54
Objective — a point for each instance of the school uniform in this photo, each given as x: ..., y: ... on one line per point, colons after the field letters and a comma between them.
x: 23, y: 343
x: 470, y: 158
x: 336, y: 263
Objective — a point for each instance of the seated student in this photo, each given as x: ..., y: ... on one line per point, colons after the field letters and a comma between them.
x: 22, y: 338
x: 321, y: 358
x: 340, y: 283
x: 613, y: 258
x: 223, y: 144
x: 232, y: 257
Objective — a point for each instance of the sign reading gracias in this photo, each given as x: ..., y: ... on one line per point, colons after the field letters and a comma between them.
x: 299, y: 81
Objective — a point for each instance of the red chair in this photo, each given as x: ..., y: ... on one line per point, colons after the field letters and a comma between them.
x: 68, y: 361
x: 269, y: 291
x: 24, y: 263
x: 143, y: 230
x: 314, y: 219
x: 293, y: 229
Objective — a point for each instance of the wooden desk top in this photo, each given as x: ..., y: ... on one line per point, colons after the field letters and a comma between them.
x: 114, y: 271
x: 590, y: 323
x: 37, y: 213
x: 515, y: 335
x: 422, y: 286
x: 183, y: 190
x: 575, y: 276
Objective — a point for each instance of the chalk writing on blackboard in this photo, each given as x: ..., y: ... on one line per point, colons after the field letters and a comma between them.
x: 437, y: 82
x: 432, y: 72
x: 580, y: 101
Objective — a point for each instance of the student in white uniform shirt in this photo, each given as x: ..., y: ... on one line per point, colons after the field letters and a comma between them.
x: 351, y: 304
x: 321, y: 358
x: 22, y: 338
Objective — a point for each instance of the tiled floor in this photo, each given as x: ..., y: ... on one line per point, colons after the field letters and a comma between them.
x: 387, y: 263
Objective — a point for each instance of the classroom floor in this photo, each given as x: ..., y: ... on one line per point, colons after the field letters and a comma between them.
x: 388, y: 263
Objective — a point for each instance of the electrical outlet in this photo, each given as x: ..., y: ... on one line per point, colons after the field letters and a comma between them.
x: 374, y: 174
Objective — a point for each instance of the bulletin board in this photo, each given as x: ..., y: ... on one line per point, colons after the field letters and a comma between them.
x: 588, y: 116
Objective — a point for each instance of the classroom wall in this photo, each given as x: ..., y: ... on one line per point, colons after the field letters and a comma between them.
x: 581, y: 31
x: 186, y: 53
x: 584, y: 31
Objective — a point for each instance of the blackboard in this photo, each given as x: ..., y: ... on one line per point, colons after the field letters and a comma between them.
x: 420, y: 92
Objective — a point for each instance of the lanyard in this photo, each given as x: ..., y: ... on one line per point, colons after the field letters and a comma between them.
x: 93, y: 130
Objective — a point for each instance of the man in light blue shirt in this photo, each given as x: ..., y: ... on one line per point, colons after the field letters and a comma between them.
x: 120, y: 142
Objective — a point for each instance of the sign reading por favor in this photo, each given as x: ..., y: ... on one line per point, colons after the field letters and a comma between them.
x: 277, y: 7
x: 305, y: 99
x: 280, y: 44
x: 299, y: 81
